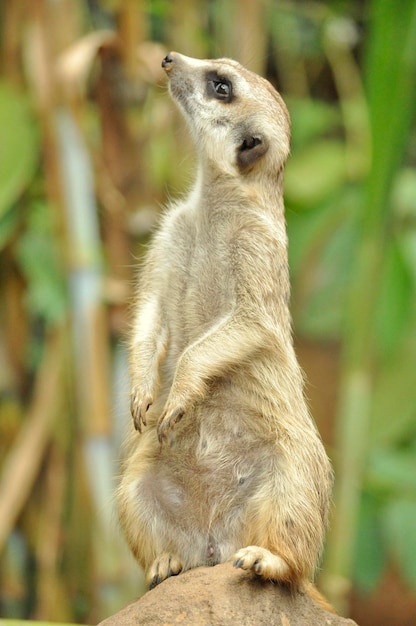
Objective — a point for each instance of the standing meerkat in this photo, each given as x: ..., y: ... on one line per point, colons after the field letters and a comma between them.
x: 226, y: 463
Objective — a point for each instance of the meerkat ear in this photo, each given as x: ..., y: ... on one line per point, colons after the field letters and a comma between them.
x: 250, y: 150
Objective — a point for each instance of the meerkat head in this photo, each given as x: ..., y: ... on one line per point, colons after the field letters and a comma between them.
x: 238, y: 120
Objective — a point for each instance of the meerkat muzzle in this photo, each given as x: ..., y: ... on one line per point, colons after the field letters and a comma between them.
x: 168, y: 61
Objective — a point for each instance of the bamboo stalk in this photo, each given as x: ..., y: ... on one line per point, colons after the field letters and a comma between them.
x: 187, y: 23
x: 52, y: 601
x: 22, y: 464
x: 133, y: 31
x: 351, y: 94
x: 293, y: 76
x: 250, y: 42
x: 12, y: 15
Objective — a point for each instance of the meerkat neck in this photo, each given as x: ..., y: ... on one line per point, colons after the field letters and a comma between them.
x: 215, y: 185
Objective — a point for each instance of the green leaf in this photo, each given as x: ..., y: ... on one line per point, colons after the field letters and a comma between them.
x: 392, y: 470
x: 311, y: 119
x: 19, y: 145
x: 404, y: 204
x: 391, y: 88
x: 322, y: 316
x: 314, y: 173
x: 399, y: 524
x: 404, y: 194
x: 40, y: 261
x: 393, y: 415
x: 321, y: 242
x: 370, y: 557
x: 8, y: 222
x: 395, y: 300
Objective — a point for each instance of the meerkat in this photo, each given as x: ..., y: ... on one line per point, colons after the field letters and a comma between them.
x: 226, y: 463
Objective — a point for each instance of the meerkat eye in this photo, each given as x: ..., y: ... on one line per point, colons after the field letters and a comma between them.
x: 222, y: 89
x: 218, y: 87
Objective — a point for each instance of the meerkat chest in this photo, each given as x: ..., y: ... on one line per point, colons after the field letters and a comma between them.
x: 199, y: 277
x: 211, y: 280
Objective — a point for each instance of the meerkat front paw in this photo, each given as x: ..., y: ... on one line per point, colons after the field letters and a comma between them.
x: 181, y: 400
x: 262, y: 562
x: 165, y: 566
x: 167, y: 421
x: 140, y: 401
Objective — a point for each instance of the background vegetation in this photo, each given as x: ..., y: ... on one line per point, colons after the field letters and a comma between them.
x: 90, y: 148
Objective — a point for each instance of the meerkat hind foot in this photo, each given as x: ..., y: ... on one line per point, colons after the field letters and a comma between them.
x: 163, y: 567
x: 262, y: 562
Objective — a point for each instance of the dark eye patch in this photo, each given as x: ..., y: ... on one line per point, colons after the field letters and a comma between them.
x: 219, y: 87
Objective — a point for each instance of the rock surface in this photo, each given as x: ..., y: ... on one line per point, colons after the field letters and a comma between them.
x: 222, y: 596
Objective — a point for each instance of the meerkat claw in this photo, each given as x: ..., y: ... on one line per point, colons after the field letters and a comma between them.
x: 138, y: 409
x: 154, y: 582
x: 167, y: 422
x: 164, y: 567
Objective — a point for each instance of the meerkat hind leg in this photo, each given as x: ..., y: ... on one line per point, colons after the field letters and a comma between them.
x: 163, y: 567
x: 263, y: 562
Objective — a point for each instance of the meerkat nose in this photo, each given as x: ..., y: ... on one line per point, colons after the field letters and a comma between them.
x: 168, y: 61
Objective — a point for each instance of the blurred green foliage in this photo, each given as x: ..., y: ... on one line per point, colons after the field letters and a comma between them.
x: 19, y: 153
x: 41, y: 265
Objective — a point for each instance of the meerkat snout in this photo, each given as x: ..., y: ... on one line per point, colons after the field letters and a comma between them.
x: 168, y: 61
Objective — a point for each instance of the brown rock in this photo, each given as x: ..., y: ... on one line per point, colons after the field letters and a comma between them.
x: 222, y: 596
